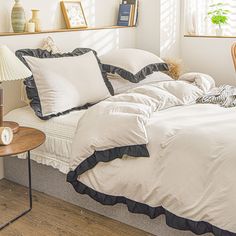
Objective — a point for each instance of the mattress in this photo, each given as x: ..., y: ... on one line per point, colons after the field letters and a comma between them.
x: 56, y: 150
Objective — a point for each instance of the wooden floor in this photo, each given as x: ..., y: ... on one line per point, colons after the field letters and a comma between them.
x: 52, y: 217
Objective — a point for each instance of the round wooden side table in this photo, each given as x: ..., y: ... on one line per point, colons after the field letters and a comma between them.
x: 25, y: 140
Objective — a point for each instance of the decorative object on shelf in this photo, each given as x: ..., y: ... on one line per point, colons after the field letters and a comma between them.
x: 125, y: 15
x: 18, y: 19
x: 73, y: 14
x: 176, y: 68
x: 30, y: 27
x: 50, y: 46
x: 134, y: 13
x: 6, y: 136
x: 36, y: 20
x: 11, y: 68
x: 219, y: 16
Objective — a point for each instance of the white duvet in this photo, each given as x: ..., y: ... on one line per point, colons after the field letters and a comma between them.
x: 191, y: 168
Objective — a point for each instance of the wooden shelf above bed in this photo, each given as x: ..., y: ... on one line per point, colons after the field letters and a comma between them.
x: 65, y: 30
x: 208, y: 36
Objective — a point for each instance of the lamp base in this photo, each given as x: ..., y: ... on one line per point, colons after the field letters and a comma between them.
x: 13, y: 125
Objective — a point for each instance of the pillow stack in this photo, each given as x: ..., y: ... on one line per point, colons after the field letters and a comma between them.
x: 63, y: 82
x: 130, y: 68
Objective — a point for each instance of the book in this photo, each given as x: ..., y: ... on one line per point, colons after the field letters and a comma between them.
x: 125, y: 15
x: 135, y: 11
x: 131, y: 21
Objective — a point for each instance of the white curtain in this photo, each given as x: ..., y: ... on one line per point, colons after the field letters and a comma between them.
x: 197, y: 22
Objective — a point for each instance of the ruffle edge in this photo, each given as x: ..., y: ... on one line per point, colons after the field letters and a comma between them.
x: 40, y: 159
x: 31, y: 88
x: 172, y: 220
x: 141, y: 75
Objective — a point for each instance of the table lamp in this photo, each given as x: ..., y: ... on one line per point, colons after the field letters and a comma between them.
x: 11, y: 68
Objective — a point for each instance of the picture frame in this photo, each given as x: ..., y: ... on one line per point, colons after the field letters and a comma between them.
x: 74, y: 14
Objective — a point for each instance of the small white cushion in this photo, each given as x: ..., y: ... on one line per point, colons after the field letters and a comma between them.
x: 184, y: 91
x: 50, y: 46
x: 203, y: 81
x: 67, y: 82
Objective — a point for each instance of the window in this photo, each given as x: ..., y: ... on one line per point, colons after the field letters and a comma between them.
x: 197, y: 21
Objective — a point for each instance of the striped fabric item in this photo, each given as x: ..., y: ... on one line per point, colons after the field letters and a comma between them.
x: 225, y: 96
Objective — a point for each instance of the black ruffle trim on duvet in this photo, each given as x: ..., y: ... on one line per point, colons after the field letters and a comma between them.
x: 172, y: 220
x: 107, y: 156
x: 141, y: 75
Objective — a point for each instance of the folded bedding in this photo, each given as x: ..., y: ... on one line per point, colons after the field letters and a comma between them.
x: 157, y: 151
x: 56, y: 150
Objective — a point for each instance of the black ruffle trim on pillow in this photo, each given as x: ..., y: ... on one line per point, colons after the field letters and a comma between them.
x: 141, y: 75
x: 172, y: 220
x: 31, y: 88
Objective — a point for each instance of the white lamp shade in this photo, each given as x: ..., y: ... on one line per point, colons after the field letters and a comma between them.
x: 11, y: 68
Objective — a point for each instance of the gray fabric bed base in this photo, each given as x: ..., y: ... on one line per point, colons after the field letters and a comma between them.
x: 50, y: 181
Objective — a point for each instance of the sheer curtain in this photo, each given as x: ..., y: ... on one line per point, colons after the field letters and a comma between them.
x: 197, y: 22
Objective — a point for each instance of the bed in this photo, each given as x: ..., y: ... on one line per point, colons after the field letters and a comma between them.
x: 175, y: 159
x: 49, y: 171
x: 161, y: 147
x: 105, y: 176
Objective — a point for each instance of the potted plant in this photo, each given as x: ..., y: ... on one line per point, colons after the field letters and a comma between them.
x: 219, y: 16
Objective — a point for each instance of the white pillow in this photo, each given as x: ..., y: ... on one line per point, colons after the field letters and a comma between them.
x: 120, y: 85
x: 203, y: 81
x: 132, y: 64
x: 67, y: 82
x: 185, y: 92
x: 50, y: 46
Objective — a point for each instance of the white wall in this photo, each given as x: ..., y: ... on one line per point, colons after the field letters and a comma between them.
x: 148, y: 30
x: 208, y: 55
x: 211, y: 56
x: 158, y: 28
x: 170, y: 11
